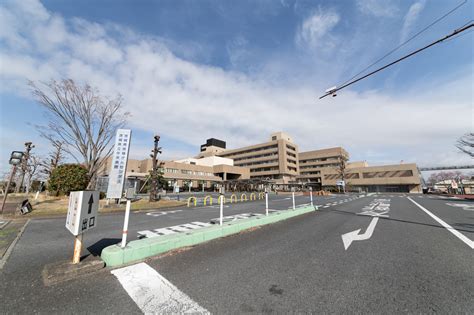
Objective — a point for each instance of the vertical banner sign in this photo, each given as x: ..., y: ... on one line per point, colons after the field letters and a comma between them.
x: 119, y: 163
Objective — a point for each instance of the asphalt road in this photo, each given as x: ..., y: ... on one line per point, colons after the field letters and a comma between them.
x: 400, y: 259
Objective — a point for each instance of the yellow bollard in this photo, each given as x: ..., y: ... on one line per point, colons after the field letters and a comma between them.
x: 192, y: 198
x: 254, y: 196
x: 242, y: 197
x: 210, y: 199
x: 232, y: 198
x: 261, y: 195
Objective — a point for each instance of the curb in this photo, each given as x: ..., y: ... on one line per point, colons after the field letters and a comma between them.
x: 138, y: 250
x: 5, y: 257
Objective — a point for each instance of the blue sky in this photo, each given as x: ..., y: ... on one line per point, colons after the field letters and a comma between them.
x: 239, y: 70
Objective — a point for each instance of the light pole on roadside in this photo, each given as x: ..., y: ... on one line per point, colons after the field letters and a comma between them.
x: 24, y: 164
x: 16, y: 158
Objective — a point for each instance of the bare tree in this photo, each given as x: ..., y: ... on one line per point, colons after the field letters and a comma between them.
x: 54, y: 158
x: 83, y: 120
x: 32, y: 168
x: 442, y: 176
x: 341, y: 170
x: 466, y: 144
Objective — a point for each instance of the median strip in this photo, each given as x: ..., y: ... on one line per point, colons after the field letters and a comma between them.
x: 138, y: 250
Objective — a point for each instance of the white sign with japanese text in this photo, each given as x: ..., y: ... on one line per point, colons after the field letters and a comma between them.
x: 119, y: 163
x: 82, y: 211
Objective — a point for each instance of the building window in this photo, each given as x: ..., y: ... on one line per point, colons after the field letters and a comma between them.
x: 274, y: 138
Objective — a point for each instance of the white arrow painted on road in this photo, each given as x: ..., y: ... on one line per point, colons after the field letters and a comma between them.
x: 348, y: 238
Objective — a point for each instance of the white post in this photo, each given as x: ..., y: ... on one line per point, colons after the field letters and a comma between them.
x: 221, y: 208
x: 125, y: 224
x: 77, y: 249
x: 311, y: 195
x: 37, y: 195
x: 293, y: 195
x: 266, y: 202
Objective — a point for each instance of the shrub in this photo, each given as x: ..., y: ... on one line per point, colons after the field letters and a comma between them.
x: 68, y: 177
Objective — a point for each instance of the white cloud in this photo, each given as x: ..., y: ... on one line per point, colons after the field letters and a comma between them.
x: 314, y: 31
x: 410, y: 19
x: 190, y: 102
x: 378, y: 8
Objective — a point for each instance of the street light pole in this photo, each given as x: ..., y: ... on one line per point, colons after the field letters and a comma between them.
x: 24, y: 164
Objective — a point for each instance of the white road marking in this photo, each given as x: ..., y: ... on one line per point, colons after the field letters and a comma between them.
x: 191, y: 226
x: 165, y: 231
x: 160, y: 213
x: 147, y: 233
x: 152, y: 293
x: 464, y: 206
x: 201, y: 224
x: 326, y: 207
x: 348, y: 238
x: 445, y: 225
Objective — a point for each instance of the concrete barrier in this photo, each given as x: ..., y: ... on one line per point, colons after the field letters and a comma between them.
x: 206, y: 198
x: 138, y: 250
x: 192, y: 198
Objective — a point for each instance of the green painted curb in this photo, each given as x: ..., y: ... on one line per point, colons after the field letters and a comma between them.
x: 138, y: 250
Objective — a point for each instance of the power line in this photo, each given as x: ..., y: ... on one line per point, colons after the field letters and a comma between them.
x: 333, y: 91
x: 405, y: 42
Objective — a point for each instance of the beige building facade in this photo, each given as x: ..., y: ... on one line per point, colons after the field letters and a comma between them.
x: 386, y: 178
x: 314, y: 163
x: 278, y: 162
x: 276, y: 159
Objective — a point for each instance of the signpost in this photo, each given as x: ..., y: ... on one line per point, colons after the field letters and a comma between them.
x: 81, y: 216
x: 119, y: 163
x: 117, y: 174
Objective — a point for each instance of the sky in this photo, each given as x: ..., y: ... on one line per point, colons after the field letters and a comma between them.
x: 240, y: 70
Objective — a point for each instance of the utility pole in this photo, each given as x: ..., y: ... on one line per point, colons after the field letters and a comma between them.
x: 24, y: 164
x: 154, y: 173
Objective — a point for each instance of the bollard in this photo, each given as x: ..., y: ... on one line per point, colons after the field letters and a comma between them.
x: 221, y: 208
x: 125, y: 224
x: 266, y: 203
x: 311, y: 195
x: 293, y: 195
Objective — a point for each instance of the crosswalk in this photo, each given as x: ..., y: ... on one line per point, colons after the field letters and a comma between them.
x: 183, y: 228
x: 153, y: 293
x: 172, y: 229
x: 338, y: 202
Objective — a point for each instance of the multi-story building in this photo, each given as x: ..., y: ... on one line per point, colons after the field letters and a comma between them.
x: 385, y: 178
x: 186, y: 173
x: 275, y: 160
x: 313, y: 163
x: 278, y: 162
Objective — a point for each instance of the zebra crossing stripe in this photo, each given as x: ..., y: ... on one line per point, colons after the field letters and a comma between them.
x: 201, y: 224
x: 147, y: 233
x: 154, y: 294
x: 165, y: 231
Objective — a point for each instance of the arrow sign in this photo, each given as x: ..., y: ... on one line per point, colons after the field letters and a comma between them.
x: 348, y: 238
x: 91, y: 201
